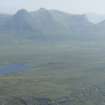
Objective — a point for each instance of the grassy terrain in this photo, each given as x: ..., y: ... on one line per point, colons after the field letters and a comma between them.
x: 56, y: 69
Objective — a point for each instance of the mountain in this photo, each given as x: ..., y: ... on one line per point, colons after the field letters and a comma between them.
x: 46, y: 24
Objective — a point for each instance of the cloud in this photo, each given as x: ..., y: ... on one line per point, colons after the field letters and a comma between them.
x: 73, y: 6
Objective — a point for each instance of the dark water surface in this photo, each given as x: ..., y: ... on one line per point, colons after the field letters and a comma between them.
x: 12, y: 68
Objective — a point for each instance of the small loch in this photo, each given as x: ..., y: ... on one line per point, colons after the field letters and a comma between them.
x: 12, y: 68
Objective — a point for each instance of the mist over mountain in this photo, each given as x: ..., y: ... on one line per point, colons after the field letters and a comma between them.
x: 46, y: 24
x: 95, y: 18
x: 49, y: 57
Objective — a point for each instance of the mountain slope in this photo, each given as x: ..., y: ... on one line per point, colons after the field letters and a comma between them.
x: 49, y: 25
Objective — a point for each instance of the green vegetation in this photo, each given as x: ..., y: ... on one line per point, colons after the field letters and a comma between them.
x: 57, y: 69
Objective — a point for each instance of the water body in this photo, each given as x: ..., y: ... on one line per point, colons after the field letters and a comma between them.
x: 12, y: 68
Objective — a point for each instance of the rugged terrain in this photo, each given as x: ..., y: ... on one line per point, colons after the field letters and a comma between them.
x: 65, y: 58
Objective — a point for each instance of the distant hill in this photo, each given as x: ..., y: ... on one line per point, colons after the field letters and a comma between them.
x: 46, y: 24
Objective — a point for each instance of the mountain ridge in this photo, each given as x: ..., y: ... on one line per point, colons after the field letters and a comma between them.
x: 47, y: 24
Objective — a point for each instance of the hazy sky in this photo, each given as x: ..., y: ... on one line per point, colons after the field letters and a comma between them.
x: 71, y: 6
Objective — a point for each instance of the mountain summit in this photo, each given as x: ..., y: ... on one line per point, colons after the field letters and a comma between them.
x: 49, y: 24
